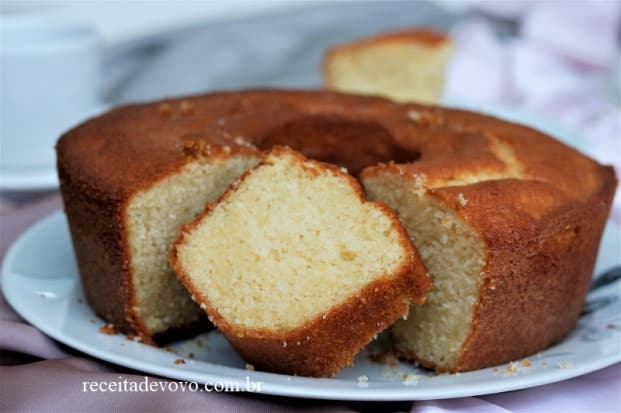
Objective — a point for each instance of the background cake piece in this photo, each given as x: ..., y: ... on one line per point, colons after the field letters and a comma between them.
x: 404, y: 66
x: 296, y: 269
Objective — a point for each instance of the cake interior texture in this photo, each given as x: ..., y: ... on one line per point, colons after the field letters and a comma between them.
x: 154, y: 216
x: 454, y: 255
x: 401, y: 70
x: 288, y: 245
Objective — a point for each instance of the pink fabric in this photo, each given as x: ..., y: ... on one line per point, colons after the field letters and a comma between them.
x: 564, y: 66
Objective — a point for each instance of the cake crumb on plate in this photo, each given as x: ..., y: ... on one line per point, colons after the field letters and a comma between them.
x: 108, y: 329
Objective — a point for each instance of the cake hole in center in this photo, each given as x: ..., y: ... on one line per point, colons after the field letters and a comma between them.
x: 353, y: 144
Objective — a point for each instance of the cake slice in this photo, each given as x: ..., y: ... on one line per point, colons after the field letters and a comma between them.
x: 296, y: 269
x: 455, y: 255
x: 404, y: 66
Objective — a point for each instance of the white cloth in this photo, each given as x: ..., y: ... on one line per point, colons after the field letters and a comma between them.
x: 563, y: 65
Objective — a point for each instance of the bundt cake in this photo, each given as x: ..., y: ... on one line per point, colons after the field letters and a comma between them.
x: 506, y: 219
x: 408, y: 65
x: 296, y: 269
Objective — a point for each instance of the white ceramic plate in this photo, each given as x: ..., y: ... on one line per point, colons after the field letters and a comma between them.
x: 39, y: 279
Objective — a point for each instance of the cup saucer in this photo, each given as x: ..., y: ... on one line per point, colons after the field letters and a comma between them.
x: 28, y: 180
x: 37, y: 177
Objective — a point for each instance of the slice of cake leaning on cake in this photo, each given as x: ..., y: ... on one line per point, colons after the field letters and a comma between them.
x: 296, y: 269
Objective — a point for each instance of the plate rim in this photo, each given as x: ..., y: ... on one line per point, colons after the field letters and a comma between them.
x: 29, y: 179
x: 302, y: 387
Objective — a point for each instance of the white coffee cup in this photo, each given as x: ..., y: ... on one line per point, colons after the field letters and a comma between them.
x: 49, y: 82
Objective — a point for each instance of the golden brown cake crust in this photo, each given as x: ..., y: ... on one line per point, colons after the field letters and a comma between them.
x: 324, y: 345
x: 536, y: 266
x: 106, y: 160
x: 541, y: 231
x: 422, y: 36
